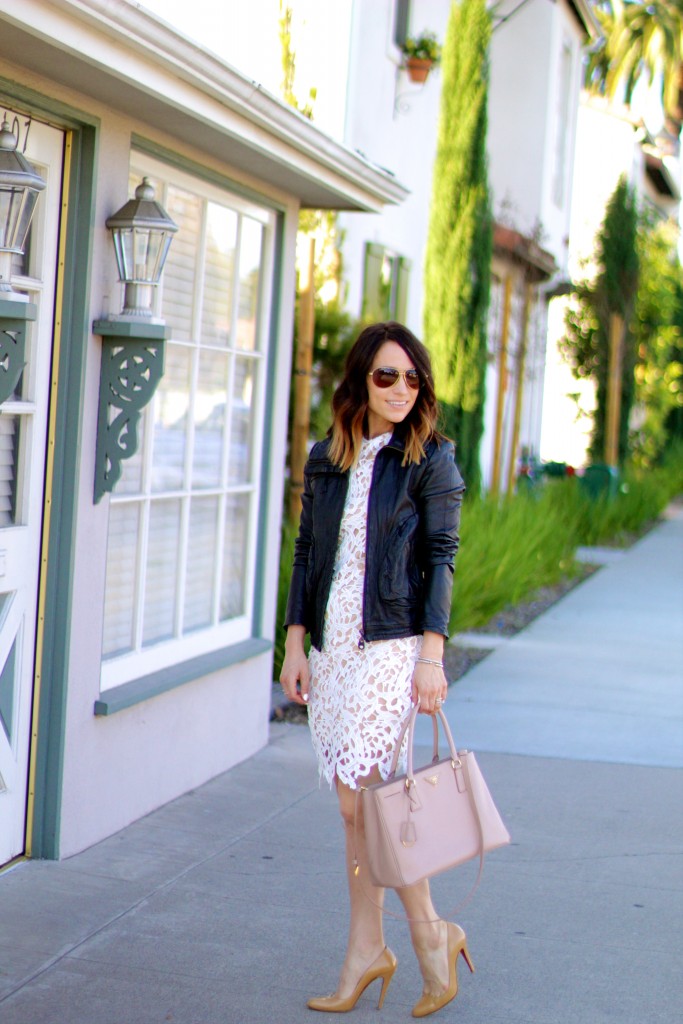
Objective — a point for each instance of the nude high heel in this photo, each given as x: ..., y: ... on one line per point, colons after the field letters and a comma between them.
x: 457, y: 943
x: 383, y: 967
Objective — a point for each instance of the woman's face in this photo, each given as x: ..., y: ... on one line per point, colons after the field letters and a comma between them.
x: 391, y: 405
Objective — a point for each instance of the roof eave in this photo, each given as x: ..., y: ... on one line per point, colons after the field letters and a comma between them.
x: 586, y: 18
x: 93, y: 34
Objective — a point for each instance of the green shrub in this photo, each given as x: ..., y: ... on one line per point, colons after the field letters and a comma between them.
x: 642, y: 496
x: 509, y: 548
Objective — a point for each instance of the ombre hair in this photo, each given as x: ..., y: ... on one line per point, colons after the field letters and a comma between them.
x: 350, y: 400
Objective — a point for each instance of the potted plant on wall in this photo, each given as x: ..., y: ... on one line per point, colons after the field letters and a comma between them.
x: 420, y: 54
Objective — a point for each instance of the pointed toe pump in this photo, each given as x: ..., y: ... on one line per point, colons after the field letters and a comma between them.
x: 457, y: 943
x: 383, y: 967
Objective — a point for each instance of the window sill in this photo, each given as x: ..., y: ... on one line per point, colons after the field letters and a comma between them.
x: 138, y: 690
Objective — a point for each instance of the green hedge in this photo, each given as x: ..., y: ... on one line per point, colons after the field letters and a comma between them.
x: 508, y: 549
x: 642, y: 496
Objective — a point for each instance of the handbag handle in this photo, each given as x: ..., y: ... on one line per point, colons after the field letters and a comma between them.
x: 409, y: 723
x: 410, y: 776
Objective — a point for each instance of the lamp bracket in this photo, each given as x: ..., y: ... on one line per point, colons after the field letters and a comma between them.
x: 14, y: 319
x: 132, y: 366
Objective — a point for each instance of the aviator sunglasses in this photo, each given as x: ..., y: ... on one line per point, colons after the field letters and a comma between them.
x: 388, y: 376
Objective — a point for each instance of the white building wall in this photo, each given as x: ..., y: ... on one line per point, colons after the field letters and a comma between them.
x: 607, y: 147
x: 119, y: 767
x: 533, y: 102
x: 393, y: 122
x: 521, y: 61
x: 563, y: 87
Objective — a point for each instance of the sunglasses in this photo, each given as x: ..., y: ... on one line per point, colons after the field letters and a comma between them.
x: 388, y: 376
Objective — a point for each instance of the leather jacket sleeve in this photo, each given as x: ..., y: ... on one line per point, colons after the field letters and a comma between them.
x: 440, y: 499
x: 297, y: 605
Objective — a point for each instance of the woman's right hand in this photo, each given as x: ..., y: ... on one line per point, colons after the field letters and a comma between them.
x: 295, y: 676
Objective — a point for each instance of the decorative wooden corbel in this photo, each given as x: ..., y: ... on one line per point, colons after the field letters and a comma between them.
x: 132, y: 366
x: 14, y: 319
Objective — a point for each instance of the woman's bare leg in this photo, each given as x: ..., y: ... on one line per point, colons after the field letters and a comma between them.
x: 366, y: 935
x: 428, y: 934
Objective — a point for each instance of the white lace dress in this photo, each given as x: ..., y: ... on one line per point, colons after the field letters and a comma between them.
x: 358, y: 698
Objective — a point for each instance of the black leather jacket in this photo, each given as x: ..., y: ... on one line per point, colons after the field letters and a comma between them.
x: 412, y: 538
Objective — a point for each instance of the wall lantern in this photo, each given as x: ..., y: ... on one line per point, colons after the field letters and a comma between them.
x: 133, y: 341
x: 142, y: 232
x: 20, y: 187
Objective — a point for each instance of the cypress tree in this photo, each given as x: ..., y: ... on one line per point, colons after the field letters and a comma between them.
x: 613, y: 290
x: 459, y: 244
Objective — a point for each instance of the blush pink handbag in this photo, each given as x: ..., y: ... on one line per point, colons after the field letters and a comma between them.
x: 430, y: 819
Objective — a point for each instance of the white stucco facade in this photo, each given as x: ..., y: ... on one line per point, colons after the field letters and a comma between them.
x: 121, y: 91
x: 612, y: 141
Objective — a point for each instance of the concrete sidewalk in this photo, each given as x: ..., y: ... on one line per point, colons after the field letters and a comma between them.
x: 227, y: 906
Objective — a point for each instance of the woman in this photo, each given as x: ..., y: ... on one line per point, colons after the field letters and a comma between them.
x: 371, y: 581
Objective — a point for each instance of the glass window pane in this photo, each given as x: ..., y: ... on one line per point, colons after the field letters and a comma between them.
x: 171, y: 403
x: 241, y: 431
x: 209, y: 415
x: 179, y: 273
x: 10, y: 427
x: 201, y: 563
x: 219, y: 269
x: 130, y: 481
x: 233, y: 583
x: 122, y: 560
x: 161, y: 578
x: 251, y: 241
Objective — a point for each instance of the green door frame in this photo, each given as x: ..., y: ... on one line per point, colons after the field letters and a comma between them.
x: 71, y: 333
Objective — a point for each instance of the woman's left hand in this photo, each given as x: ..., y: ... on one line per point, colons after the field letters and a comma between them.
x: 429, y: 687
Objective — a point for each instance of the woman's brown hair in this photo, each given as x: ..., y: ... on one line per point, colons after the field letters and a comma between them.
x: 350, y: 400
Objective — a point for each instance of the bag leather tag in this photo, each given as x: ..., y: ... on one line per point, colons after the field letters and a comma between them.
x: 408, y: 833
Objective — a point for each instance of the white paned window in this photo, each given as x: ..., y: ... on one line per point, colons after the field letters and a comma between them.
x: 182, y: 526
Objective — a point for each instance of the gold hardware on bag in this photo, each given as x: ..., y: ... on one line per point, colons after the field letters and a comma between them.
x: 433, y: 780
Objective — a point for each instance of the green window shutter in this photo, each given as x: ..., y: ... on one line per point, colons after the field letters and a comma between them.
x: 402, y: 283
x: 373, y: 306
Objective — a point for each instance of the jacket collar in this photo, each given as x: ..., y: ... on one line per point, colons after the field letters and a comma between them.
x: 398, y: 438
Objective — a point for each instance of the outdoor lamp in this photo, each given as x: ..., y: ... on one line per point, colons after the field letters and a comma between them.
x: 133, y: 342
x: 142, y: 232
x: 19, y: 190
